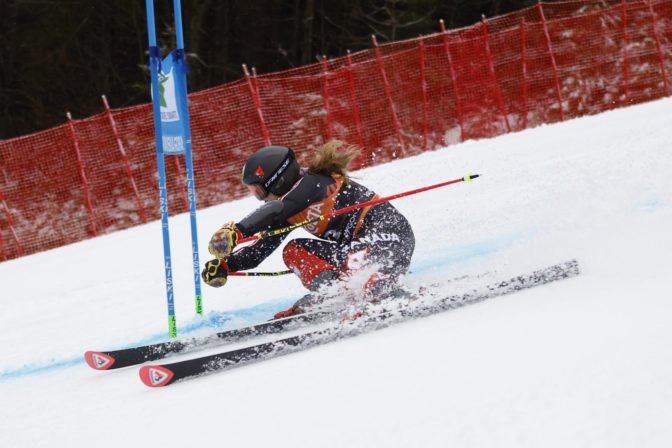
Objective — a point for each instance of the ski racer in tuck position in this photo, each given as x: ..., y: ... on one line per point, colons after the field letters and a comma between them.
x: 373, y: 244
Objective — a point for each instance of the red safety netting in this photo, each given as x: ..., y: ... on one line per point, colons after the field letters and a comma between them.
x: 543, y: 64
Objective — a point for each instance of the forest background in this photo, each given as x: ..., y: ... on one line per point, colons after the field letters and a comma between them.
x: 58, y: 56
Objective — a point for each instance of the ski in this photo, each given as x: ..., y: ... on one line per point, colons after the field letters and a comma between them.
x: 116, y: 359
x: 374, y: 318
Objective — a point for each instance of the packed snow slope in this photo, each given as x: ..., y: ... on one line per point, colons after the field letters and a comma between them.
x: 580, y: 362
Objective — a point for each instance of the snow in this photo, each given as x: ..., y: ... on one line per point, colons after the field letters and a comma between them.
x: 579, y: 362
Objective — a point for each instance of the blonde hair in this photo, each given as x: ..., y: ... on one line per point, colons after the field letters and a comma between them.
x: 329, y: 160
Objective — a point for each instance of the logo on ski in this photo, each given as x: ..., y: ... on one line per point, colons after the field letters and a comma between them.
x: 155, y: 376
x: 98, y: 361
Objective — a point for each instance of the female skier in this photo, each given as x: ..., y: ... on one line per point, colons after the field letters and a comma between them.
x: 374, y: 243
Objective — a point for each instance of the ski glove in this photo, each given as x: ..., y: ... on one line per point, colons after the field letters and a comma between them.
x: 215, y: 273
x: 224, y: 240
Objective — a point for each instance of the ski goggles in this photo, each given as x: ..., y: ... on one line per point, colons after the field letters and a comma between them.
x: 258, y: 191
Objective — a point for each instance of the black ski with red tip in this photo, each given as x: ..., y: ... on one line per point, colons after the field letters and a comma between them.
x: 115, y: 359
x: 163, y: 375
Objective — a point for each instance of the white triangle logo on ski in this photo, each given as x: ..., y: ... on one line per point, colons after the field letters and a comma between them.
x: 157, y: 376
x: 100, y: 361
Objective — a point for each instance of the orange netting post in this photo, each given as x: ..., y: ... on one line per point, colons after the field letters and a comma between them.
x: 553, y: 64
x: 325, y: 74
x: 523, y: 57
x: 452, y: 78
x: 180, y: 182
x: 625, y: 49
x: 120, y: 145
x: 660, y: 52
x: 424, y: 92
x: 355, y: 108
x: 81, y: 172
x: 491, y: 64
x: 11, y: 227
x: 389, y: 96
x: 257, y: 104
x: 255, y: 84
x: 2, y: 248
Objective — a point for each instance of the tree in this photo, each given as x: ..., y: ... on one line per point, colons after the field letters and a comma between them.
x: 61, y: 56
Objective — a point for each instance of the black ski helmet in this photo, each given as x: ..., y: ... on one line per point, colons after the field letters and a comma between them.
x: 274, y: 168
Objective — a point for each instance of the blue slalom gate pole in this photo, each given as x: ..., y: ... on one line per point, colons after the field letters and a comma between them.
x: 155, y: 67
x: 181, y: 64
x: 173, y: 136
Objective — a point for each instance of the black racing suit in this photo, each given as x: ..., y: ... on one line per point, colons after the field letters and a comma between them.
x: 380, y: 231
